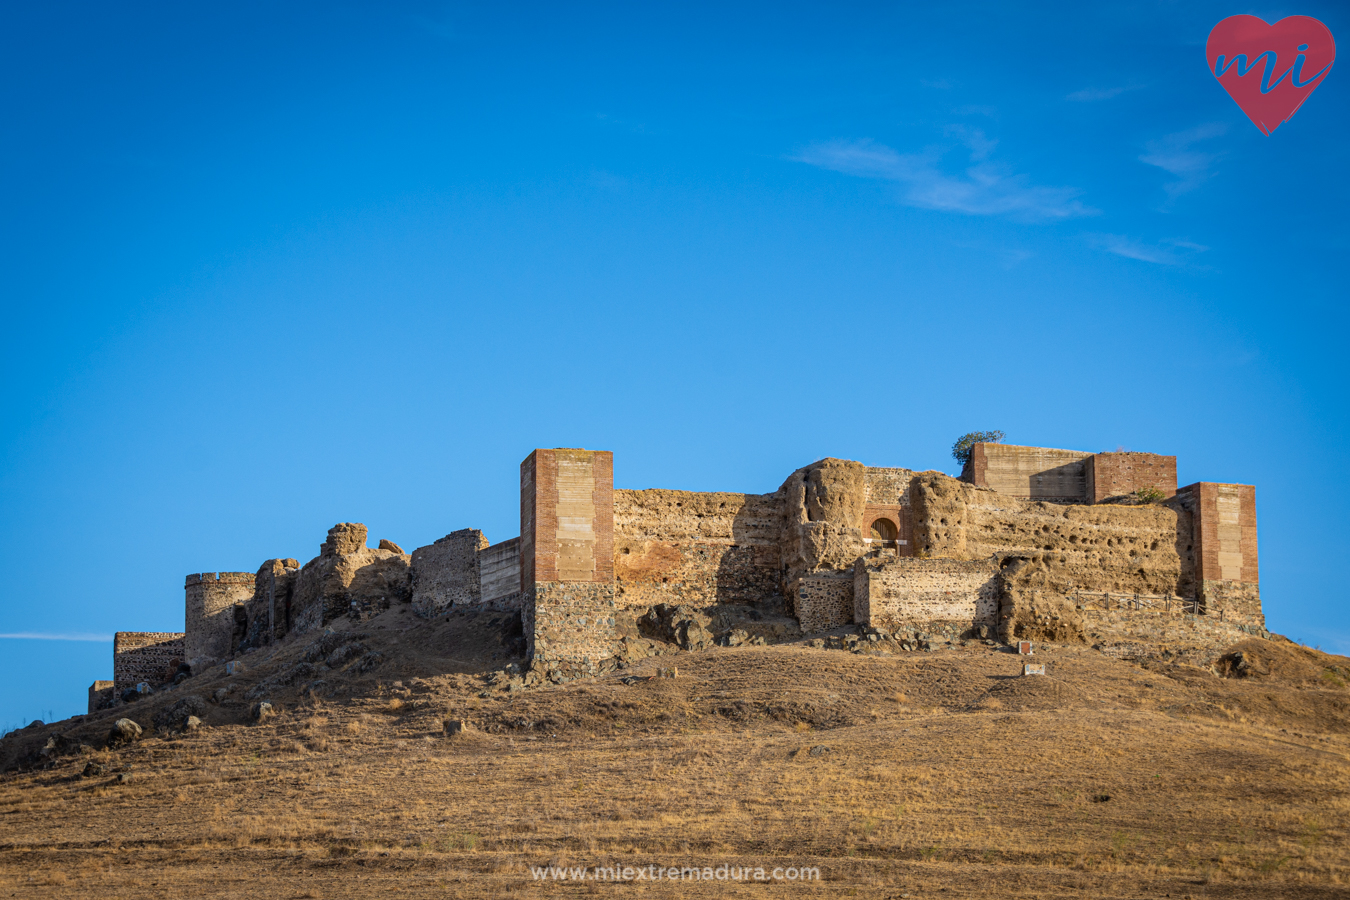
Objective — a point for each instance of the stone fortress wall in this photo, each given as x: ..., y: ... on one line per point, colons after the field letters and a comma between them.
x: 1010, y: 548
x: 151, y: 657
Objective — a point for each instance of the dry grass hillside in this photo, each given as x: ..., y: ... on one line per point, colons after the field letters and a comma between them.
x: 920, y: 774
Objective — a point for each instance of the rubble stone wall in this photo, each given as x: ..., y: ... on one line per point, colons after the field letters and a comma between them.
x: 695, y: 548
x: 151, y: 656
x: 1155, y: 627
x: 446, y: 574
x: 824, y: 601
x: 570, y: 625
x: 916, y: 593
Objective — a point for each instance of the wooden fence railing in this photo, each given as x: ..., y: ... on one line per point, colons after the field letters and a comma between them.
x: 1108, y: 600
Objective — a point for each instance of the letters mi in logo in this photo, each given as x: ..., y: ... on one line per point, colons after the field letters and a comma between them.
x: 1270, y: 69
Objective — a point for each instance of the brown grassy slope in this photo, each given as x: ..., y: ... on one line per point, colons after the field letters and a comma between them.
x: 933, y: 773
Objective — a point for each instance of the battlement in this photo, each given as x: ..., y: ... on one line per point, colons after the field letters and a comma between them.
x: 220, y: 578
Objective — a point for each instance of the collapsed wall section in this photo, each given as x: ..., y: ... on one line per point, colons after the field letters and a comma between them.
x: 348, y: 578
x: 149, y: 656
x: 567, y: 558
x: 101, y: 694
x: 695, y: 548
x: 209, y: 616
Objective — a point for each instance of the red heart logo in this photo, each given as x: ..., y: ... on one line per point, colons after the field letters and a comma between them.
x: 1270, y: 69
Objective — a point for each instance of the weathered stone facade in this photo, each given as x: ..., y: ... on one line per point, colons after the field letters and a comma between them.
x: 1010, y: 548
x: 1121, y: 474
x: 446, y: 574
x: 145, y: 656
x: 824, y: 601
x: 209, y: 617
x: 925, y: 594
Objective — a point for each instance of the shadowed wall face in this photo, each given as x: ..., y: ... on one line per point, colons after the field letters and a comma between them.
x: 145, y: 656
x: 209, y: 613
x: 1031, y: 473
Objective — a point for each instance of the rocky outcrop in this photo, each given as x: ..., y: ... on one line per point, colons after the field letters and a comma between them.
x: 349, y: 578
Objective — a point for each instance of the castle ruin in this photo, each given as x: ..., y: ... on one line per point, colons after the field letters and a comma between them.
x: 1028, y: 542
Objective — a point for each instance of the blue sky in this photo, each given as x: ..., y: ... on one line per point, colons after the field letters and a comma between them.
x: 270, y: 267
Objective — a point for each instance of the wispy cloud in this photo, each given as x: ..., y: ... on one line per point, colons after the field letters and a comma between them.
x: 1177, y: 155
x: 44, y: 636
x: 1092, y: 95
x: 982, y: 188
x: 1172, y: 252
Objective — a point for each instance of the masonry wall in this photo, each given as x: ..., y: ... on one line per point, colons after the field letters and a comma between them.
x: 1121, y: 474
x: 887, y: 497
x: 151, y: 656
x: 209, y: 620
x: 1034, y: 473
x: 824, y: 601
x: 447, y: 574
x: 567, y: 516
x: 570, y: 626
x: 1226, y: 557
x: 695, y: 548
x: 499, y: 575
x: 1145, y: 549
x: 923, y: 593
x: 100, y: 694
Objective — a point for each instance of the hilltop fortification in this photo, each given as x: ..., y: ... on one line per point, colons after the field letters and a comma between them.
x: 1029, y: 543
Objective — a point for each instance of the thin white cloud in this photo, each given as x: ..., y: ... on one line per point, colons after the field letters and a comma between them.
x: 983, y: 188
x: 1177, y: 155
x: 1093, y: 95
x: 43, y: 636
x: 1163, y: 253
